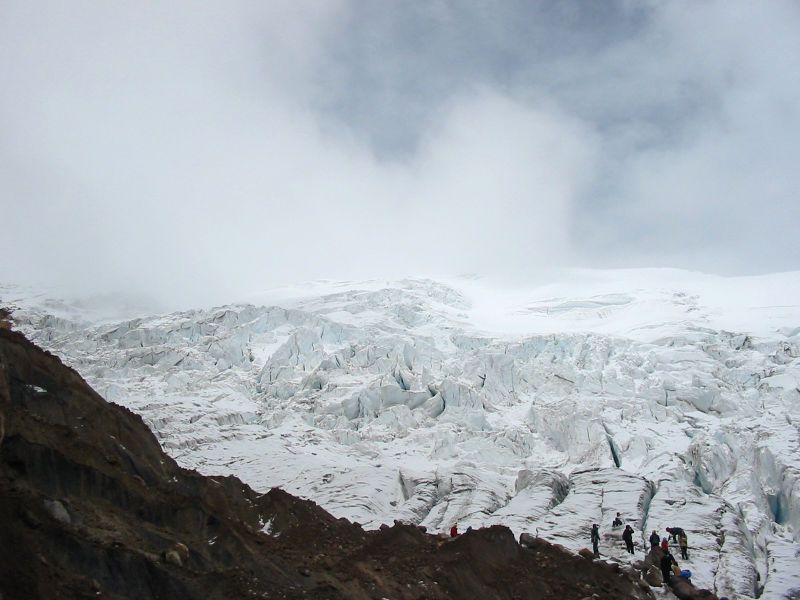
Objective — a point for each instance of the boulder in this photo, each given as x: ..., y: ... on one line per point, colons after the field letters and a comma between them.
x: 631, y: 572
x: 173, y: 558
x: 57, y: 511
x: 182, y: 550
x: 653, y: 576
x: 684, y: 590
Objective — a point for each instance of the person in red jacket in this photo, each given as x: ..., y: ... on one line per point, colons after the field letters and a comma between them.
x: 454, y: 530
x: 664, y: 545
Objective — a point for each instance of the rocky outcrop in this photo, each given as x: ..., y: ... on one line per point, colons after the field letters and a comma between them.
x: 91, y: 507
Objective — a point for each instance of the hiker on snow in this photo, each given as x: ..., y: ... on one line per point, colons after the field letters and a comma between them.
x: 666, y: 566
x: 654, y: 539
x: 454, y: 530
x: 665, y: 545
x: 595, y: 539
x: 617, y: 522
x: 674, y: 532
x: 683, y: 542
x: 627, y: 535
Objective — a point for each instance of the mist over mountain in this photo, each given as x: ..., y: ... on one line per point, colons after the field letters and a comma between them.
x: 194, y: 154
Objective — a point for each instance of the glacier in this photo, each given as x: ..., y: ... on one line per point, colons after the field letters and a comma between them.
x: 670, y: 396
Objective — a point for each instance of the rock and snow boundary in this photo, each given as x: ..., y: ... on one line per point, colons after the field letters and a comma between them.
x: 671, y: 397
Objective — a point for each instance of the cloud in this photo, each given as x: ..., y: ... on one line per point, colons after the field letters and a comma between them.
x: 717, y: 190
x: 202, y: 154
x: 496, y: 182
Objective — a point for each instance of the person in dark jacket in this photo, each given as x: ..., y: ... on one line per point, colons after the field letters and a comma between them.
x: 666, y: 567
x: 674, y: 532
x: 617, y: 522
x: 596, y: 539
x: 627, y: 535
x: 683, y: 542
x: 654, y: 539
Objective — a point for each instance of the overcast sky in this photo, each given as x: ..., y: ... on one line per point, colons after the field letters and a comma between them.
x: 208, y: 149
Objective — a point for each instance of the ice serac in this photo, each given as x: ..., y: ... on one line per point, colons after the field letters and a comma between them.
x: 535, y: 494
x: 670, y: 397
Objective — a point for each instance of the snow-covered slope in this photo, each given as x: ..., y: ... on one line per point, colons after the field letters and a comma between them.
x: 671, y: 397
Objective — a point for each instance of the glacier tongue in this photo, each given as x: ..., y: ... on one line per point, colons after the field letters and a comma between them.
x: 670, y: 397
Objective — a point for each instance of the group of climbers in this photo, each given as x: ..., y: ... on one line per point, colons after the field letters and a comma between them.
x: 669, y: 565
x: 678, y: 535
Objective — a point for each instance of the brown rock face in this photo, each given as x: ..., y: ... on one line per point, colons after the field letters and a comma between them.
x: 91, y: 507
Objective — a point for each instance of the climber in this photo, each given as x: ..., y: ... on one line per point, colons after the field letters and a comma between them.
x: 627, y: 535
x: 665, y: 545
x: 617, y: 522
x: 454, y: 530
x: 674, y: 532
x: 595, y: 539
x: 666, y: 566
x: 683, y: 542
x: 654, y: 539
